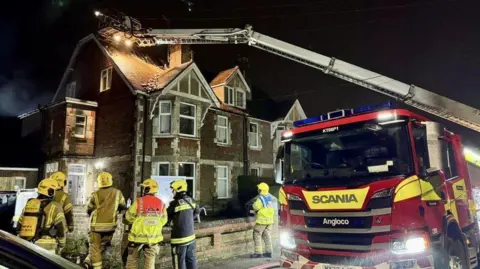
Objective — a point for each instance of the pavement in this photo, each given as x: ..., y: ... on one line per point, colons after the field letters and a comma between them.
x: 244, y: 262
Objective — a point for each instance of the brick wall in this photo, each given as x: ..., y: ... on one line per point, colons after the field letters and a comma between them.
x: 74, y: 144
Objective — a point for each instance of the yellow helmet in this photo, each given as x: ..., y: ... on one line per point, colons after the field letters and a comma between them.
x: 179, y: 185
x: 47, y: 187
x: 263, y: 188
x: 150, y: 185
x: 61, y: 179
x: 104, y: 180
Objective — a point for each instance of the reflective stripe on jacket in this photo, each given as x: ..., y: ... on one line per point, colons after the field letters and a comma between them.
x: 148, y: 215
x: 182, y: 213
x: 64, y: 199
x: 103, y: 208
x: 265, y: 209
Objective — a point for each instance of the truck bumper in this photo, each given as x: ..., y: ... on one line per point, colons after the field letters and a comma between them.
x: 293, y: 260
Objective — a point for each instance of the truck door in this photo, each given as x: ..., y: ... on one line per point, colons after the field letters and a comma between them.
x: 457, y: 180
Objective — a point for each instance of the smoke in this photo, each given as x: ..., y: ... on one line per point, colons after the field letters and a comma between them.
x: 19, y: 95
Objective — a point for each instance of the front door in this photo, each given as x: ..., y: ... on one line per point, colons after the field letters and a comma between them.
x: 77, y: 177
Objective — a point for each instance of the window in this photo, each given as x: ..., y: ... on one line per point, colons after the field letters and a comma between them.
x: 240, y: 99
x: 222, y: 130
x: 230, y: 96
x: 51, y: 168
x: 20, y: 182
x: 222, y: 181
x: 187, y: 119
x: 106, y: 79
x: 71, y: 87
x: 76, y: 183
x: 420, y: 139
x: 163, y: 169
x: 80, y: 126
x: 451, y: 171
x: 187, y: 170
x: 253, y: 135
x: 165, y: 117
x: 255, y: 172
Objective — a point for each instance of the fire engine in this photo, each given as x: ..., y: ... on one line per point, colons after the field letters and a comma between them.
x: 369, y: 187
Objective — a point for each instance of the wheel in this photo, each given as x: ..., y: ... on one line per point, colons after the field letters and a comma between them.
x: 453, y: 258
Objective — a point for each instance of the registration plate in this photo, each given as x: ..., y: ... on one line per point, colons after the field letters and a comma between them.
x: 338, y: 267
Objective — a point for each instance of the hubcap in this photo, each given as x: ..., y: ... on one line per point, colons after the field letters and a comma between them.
x: 455, y: 262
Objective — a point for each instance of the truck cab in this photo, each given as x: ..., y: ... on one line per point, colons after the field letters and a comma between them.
x: 375, y: 187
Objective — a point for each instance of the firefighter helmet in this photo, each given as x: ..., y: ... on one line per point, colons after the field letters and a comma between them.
x: 61, y: 179
x: 179, y: 185
x: 263, y: 188
x: 104, y: 180
x: 47, y: 187
x: 150, y: 186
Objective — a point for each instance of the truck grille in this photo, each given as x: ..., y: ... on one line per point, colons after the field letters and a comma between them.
x: 341, y: 239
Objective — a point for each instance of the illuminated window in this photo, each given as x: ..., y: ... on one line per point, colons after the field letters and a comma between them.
x: 106, y: 79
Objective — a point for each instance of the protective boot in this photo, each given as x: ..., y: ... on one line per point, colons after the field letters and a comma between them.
x: 255, y: 256
x: 267, y: 255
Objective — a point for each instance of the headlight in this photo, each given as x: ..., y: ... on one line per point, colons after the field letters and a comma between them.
x: 287, y: 241
x: 409, y: 245
x: 383, y: 193
x: 293, y: 197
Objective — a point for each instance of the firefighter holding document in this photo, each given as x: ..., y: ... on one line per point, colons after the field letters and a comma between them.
x: 103, y: 208
x: 182, y: 211
x: 265, y: 212
x: 147, y: 216
x: 42, y: 221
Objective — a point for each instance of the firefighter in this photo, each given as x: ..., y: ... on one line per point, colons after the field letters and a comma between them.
x: 103, y: 207
x: 63, y: 198
x: 42, y: 221
x: 147, y: 215
x: 265, y: 211
x: 181, y: 211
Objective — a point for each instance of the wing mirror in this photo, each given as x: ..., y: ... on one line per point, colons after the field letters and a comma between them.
x: 279, y: 165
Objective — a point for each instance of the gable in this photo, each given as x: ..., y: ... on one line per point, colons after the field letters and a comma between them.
x: 191, y: 84
x: 295, y: 113
x: 237, y: 80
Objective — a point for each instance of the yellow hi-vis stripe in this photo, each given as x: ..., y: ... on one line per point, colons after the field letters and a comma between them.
x: 184, y: 207
x: 182, y: 240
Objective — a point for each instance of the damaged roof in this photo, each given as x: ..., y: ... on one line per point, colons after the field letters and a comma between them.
x: 223, y: 77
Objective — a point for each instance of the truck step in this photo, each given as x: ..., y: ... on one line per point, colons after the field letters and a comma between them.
x: 473, y: 257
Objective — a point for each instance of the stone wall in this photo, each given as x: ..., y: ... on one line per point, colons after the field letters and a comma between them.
x: 216, y: 240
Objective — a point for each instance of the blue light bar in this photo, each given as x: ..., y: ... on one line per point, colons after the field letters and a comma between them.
x: 342, y: 113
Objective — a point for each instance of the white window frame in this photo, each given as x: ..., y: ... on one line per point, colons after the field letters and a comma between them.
x: 230, y: 90
x: 160, y: 114
x: 51, y: 128
x: 189, y: 178
x: 158, y: 168
x: 256, y: 169
x: 243, y: 98
x: 258, y: 136
x: 84, y: 126
x: 194, y: 118
x: 222, y: 127
x: 51, y: 168
x: 24, y: 184
x: 107, y: 84
x: 226, y: 178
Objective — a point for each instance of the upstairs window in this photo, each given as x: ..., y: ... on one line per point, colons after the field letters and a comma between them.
x: 240, y: 99
x: 230, y: 96
x: 80, y: 126
x: 222, y: 130
x: 253, y: 135
x: 234, y: 97
x: 187, y: 119
x: 106, y: 79
x: 165, y: 117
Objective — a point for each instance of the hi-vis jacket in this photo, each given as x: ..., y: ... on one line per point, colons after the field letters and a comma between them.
x: 182, y: 214
x: 265, y: 209
x: 64, y: 199
x: 148, y: 215
x: 103, y: 208
x: 33, y: 226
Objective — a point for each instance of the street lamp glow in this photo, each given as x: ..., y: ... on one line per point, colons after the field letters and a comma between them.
x: 99, y: 165
x: 128, y: 43
x: 97, y: 13
x: 117, y: 38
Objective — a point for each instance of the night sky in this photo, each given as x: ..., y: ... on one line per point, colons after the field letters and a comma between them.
x: 433, y: 44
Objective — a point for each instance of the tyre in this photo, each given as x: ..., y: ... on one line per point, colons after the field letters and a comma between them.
x: 453, y: 258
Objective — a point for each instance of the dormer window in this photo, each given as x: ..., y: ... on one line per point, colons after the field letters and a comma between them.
x: 235, y: 97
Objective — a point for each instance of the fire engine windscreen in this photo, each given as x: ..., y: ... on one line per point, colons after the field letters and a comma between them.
x: 346, y: 155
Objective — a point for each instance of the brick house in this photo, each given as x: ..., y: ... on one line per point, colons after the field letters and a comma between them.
x: 138, y: 112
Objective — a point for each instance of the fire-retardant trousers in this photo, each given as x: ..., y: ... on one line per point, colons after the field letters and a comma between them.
x: 264, y: 232
x: 149, y: 252
x: 98, y: 241
x: 183, y: 256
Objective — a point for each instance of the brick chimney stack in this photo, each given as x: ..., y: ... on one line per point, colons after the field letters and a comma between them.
x: 179, y: 54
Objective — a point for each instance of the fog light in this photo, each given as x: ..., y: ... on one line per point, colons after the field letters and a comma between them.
x: 409, y: 245
x: 287, y: 241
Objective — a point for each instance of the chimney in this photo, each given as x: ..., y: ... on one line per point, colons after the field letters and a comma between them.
x: 179, y: 54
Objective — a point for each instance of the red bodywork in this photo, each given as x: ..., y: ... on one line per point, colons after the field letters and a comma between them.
x: 413, y: 216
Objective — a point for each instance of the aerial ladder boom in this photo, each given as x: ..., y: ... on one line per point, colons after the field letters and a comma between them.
x: 414, y: 96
